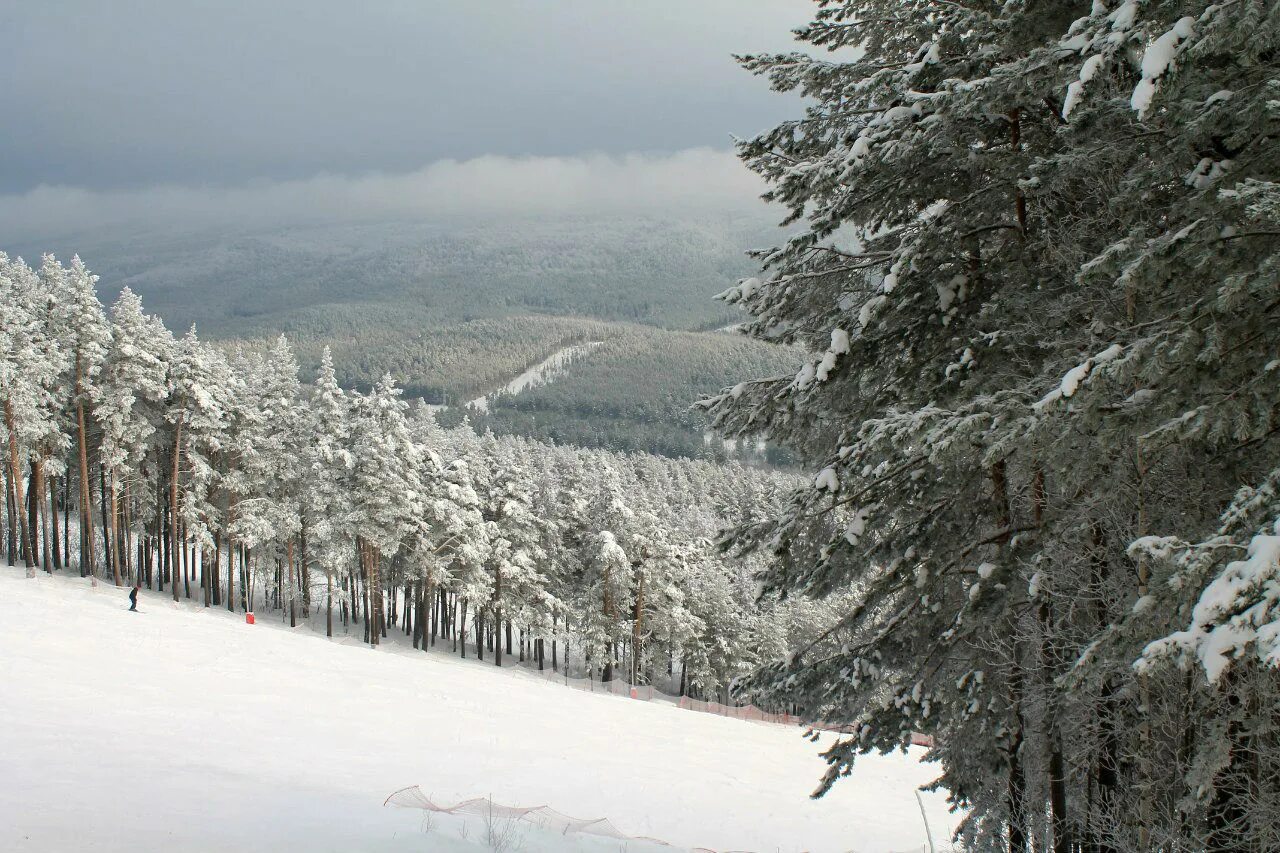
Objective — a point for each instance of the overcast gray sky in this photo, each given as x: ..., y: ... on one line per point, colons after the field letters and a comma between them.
x: 127, y: 94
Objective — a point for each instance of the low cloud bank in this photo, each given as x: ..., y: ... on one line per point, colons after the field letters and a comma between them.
x: 695, y: 179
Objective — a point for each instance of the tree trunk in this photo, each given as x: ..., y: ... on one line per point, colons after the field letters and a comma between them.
x: 115, y: 532
x: 33, y: 513
x: 42, y: 506
x: 66, y: 521
x: 155, y: 569
x: 173, y: 506
x: 288, y: 558
x: 328, y: 604
x: 637, y: 627
x: 304, y: 572
x: 214, y: 584
x: 126, y: 534
x: 497, y: 613
x: 188, y: 568
x: 426, y: 613
x: 11, y: 524
x: 206, y: 580
x: 231, y: 575
x: 104, y: 499
x: 15, y: 478
x: 460, y: 634
x: 53, y: 518
x: 87, y: 562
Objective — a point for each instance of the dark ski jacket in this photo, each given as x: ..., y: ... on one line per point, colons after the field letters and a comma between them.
x: 133, y: 595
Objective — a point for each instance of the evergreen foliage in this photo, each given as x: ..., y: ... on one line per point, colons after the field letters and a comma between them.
x: 1038, y: 275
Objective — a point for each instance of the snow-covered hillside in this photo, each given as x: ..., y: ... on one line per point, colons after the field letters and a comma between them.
x: 180, y: 728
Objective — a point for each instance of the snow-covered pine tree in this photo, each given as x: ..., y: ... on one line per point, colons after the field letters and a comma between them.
x: 1184, y: 414
x: 85, y: 336
x: 1035, y: 267
x: 388, y: 490
x: 515, y: 550
x: 129, y: 405
x: 327, y: 481
x: 199, y: 403
x: 31, y: 364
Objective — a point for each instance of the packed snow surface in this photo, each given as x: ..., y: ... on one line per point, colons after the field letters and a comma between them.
x: 180, y: 728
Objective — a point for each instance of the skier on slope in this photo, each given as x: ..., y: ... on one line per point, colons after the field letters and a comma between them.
x: 133, y: 597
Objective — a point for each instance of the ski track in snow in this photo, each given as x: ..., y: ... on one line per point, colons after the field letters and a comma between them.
x: 181, y: 728
x: 541, y: 373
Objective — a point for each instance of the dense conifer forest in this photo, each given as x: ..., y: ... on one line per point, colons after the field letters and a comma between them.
x: 220, y: 476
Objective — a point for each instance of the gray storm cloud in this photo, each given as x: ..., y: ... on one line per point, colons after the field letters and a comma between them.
x: 699, y: 178
x: 150, y: 92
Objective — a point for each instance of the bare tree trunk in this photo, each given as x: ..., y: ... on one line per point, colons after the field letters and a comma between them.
x: 87, y: 561
x: 11, y: 524
x: 462, y: 630
x: 364, y: 598
x: 41, y: 489
x: 15, y: 478
x: 206, y: 580
x: 156, y: 564
x: 497, y: 613
x: 328, y: 604
x: 66, y: 521
x: 173, y: 506
x: 288, y: 558
x: 304, y: 572
x: 432, y: 612
x: 213, y: 573
x: 126, y: 533
x: 637, y: 627
x: 231, y: 575
x: 33, y: 513
x: 188, y: 563
x: 53, y: 517
x: 115, y: 533
x: 373, y: 614
x: 104, y: 500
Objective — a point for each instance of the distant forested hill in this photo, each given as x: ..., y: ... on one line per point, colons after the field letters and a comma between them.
x: 659, y: 272
x: 454, y: 310
x: 635, y: 391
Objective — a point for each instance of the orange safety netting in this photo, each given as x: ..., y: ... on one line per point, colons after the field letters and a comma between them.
x: 647, y: 693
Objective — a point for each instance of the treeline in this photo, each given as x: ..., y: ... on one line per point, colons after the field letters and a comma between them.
x: 222, y: 477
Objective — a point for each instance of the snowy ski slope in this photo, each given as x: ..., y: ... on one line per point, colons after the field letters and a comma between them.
x: 181, y: 729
